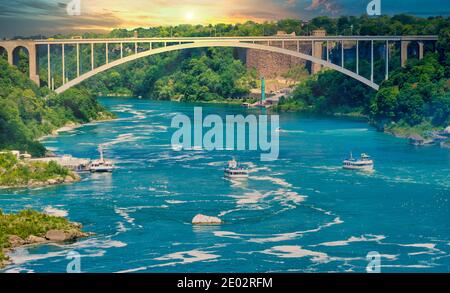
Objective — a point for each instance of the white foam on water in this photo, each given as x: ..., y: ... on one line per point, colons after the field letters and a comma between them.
x: 430, y: 246
x: 252, y: 197
x: 16, y: 270
x: 261, y: 238
x: 344, y: 130
x: 186, y: 257
x: 132, y: 270
x: 121, y: 227
x: 274, y: 180
x: 228, y: 234
x: 293, y: 131
x: 407, y: 266
x: 295, y: 251
x: 285, y: 196
x: 22, y: 255
x: 363, y: 238
x: 97, y: 243
x: 126, y: 137
x: 294, y: 235
x: 125, y: 215
x: 327, y: 168
x: 52, y: 211
x: 276, y: 238
x: 254, y: 168
x: 161, y: 127
x: 175, y: 201
x: 216, y: 164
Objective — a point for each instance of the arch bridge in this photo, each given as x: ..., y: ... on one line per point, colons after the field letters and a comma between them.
x: 320, y: 48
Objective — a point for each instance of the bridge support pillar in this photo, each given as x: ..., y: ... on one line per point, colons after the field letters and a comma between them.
x: 317, y: 48
x: 404, y: 52
x: 33, y: 65
x: 421, y: 50
x: 10, y: 56
x: 318, y: 54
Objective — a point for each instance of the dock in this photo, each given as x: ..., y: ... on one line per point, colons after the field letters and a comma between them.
x: 74, y: 164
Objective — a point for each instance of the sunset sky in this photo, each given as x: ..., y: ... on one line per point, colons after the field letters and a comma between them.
x: 47, y: 17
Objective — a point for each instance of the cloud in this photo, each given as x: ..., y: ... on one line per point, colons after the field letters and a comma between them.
x: 33, y: 8
x: 291, y: 2
x: 325, y: 5
x: 47, y: 17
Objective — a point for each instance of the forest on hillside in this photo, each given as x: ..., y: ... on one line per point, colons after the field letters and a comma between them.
x: 138, y: 78
x: 28, y: 112
x: 417, y: 95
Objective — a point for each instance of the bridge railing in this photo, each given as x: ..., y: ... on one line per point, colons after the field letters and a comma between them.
x: 316, y: 54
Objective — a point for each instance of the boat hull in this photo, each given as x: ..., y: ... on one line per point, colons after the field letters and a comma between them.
x: 361, y: 168
x: 101, y: 170
x: 236, y: 175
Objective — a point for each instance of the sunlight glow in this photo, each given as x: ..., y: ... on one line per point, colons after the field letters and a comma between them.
x: 189, y: 16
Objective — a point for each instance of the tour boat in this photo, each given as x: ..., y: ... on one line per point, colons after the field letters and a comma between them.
x: 101, y: 165
x: 364, y: 163
x: 233, y: 170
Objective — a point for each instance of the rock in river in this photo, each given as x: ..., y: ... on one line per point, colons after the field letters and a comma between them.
x: 35, y: 240
x: 57, y: 236
x: 202, y: 219
x: 15, y: 241
x: 61, y: 236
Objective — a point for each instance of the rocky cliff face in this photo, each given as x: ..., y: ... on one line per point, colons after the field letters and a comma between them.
x: 273, y: 65
x: 268, y: 64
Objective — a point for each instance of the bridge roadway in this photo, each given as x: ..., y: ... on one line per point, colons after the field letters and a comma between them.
x: 283, y: 44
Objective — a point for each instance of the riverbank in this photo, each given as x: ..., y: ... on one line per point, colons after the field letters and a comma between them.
x: 424, y: 131
x: 406, y: 131
x: 18, y: 173
x: 29, y: 227
x: 145, y: 197
x: 103, y: 117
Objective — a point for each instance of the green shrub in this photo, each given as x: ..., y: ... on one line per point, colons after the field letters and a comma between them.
x: 26, y: 223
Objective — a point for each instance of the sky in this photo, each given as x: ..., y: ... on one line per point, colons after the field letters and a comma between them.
x: 49, y: 17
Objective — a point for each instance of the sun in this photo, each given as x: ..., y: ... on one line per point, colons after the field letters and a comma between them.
x: 189, y: 16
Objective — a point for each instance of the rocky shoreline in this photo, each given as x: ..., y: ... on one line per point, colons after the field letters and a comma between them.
x: 72, y: 178
x: 51, y: 236
x: 72, y: 126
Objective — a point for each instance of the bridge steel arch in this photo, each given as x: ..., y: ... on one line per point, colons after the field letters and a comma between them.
x: 206, y: 44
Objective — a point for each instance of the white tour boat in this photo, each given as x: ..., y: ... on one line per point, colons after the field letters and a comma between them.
x: 101, y: 165
x: 364, y: 163
x: 233, y: 170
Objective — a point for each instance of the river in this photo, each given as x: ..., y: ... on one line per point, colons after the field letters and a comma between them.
x: 300, y: 213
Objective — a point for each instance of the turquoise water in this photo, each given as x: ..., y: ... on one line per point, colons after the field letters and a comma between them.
x: 300, y: 213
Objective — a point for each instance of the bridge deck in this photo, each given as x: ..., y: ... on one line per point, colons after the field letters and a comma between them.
x: 237, y: 39
x: 267, y: 43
